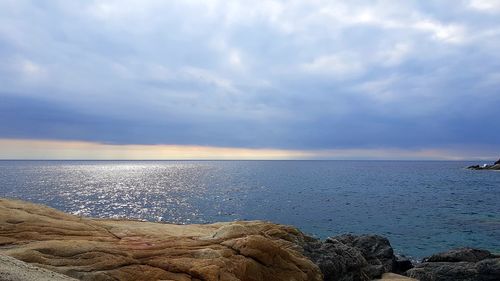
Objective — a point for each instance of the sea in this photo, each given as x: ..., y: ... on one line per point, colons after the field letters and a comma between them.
x: 423, y: 207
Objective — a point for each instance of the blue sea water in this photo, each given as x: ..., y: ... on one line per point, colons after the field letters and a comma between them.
x: 421, y: 206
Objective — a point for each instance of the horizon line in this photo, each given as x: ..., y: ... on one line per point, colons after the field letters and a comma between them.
x: 215, y: 159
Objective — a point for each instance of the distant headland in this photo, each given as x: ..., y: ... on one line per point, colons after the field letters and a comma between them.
x: 495, y: 166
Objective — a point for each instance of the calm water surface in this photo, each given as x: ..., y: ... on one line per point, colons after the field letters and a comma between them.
x: 422, y: 207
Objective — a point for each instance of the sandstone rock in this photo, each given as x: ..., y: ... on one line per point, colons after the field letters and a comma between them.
x: 12, y: 269
x: 458, y: 265
x: 94, y: 249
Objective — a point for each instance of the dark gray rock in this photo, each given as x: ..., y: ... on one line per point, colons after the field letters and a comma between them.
x: 444, y: 271
x: 375, y: 249
x: 495, y: 166
x: 461, y: 254
x: 402, y: 264
x: 489, y: 269
x: 337, y: 261
x: 351, y: 257
x: 464, y: 264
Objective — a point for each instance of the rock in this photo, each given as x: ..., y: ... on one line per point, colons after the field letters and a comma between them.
x: 337, y: 261
x: 12, y: 269
x: 375, y: 249
x: 402, y: 264
x: 100, y: 249
x: 394, y: 277
x: 464, y: 264
x: 495, y: 166
x: 461, y: 254
x: 350, y: 257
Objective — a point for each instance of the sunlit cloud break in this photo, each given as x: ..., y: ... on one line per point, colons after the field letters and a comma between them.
x: 77, y: 150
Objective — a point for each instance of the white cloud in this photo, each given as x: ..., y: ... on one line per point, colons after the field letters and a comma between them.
x: 449, y: 33
x: 31, y: 70
x: 396, y: 55
x: 235, y: 59
x: 489, y: 6
x: 232, y: 55
x: 340, y: 66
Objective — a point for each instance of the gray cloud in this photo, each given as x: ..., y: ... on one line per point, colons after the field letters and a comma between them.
x: 299, y: 74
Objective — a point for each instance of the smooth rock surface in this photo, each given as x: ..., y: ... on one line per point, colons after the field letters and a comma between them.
x: 464, y: 264
x: 93, y: 249
x: 12, y: 269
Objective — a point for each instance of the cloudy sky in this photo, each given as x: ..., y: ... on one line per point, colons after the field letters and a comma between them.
x: 250, y: 79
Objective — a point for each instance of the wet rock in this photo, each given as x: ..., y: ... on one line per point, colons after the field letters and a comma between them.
x: 464, y: 264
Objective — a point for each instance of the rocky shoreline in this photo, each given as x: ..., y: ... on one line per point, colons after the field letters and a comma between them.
x: 39, y: 241
x: 494, y: 166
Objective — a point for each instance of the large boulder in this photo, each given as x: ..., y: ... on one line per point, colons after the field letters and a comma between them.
x: 376, y: 250
x: 337, y: 261
x: 94, y: 249
x: 352, y: 257
x: 465, y: 264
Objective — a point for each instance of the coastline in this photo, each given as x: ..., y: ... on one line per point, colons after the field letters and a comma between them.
x: 105, y: 249
x: 491, y: 167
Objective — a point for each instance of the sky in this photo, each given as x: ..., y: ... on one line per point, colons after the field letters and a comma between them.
x: 123, y: 79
